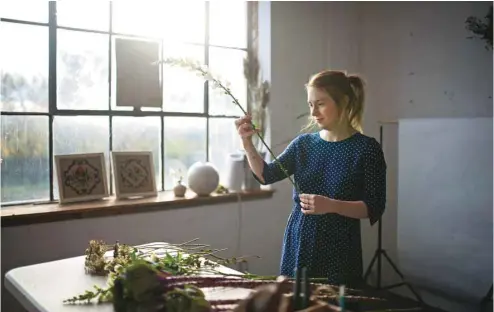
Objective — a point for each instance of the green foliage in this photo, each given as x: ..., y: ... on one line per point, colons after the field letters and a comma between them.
x: 102, y: 295
x: 190, y: 298
x: 481, y: 29
x: 184, y: 259
x: 140, y: 280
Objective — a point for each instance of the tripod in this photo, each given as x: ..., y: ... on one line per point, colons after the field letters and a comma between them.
x: 381, y: 252
x: 485, y: 301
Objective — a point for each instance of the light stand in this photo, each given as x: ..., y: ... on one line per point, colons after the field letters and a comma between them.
x: 484, y: 303
x: 380, y: 251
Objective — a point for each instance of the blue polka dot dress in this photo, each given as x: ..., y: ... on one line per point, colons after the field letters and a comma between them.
x: 353, y: 169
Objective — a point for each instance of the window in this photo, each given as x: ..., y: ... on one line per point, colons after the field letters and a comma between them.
x: 58, y: 88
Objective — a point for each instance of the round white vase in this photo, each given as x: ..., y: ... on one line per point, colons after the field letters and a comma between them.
x: 203, y: 178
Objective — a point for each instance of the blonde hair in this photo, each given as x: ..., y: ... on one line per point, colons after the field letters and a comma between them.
x: 346, y: 90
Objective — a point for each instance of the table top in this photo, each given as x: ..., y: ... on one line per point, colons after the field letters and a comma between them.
x: 43, y: 287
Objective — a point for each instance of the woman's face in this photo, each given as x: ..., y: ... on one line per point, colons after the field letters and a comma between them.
x: 323, y: 108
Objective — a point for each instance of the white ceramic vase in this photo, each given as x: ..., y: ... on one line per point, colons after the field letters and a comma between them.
x: 203, y: 178
x: 236, y: 172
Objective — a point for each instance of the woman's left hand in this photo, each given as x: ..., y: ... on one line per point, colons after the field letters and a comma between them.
x: 316, y: 204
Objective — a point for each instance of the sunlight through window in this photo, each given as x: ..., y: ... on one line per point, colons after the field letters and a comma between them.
x: 194, y: 123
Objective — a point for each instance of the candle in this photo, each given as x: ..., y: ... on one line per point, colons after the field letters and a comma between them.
x: 342, y: 298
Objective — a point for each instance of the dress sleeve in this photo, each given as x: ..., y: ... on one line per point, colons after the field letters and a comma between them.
x: 272, y: 172
x: 374, y: 181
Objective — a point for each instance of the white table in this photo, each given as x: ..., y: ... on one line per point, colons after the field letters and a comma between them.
x: 43, y: 287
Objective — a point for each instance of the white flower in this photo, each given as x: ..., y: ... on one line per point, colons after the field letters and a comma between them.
x: 208, y: 76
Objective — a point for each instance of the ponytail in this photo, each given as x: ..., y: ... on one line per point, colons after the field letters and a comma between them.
x: 356, y: 105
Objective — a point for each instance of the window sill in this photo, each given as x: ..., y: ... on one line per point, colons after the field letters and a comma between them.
x: 35, y: 214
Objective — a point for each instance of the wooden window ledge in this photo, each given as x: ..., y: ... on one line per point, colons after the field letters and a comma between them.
x: 43, y: 213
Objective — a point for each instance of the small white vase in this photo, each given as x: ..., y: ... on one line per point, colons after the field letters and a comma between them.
x: 203, y: 178
x: 179, y: 190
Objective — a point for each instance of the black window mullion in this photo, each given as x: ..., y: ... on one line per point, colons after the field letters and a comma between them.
x: 52, y: 85
x: 17, y: 21
x: 206, y: 83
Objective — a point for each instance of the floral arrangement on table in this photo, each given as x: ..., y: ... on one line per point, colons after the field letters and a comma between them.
x: 141, y: 280
x: 198, y: 260
x: 262, y: 91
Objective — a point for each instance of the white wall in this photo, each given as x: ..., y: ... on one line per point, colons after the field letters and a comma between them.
x: 419, y: 64
x: 370, y: 38
x: 448, y: 252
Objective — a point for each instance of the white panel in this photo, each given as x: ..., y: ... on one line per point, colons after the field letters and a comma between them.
x: 445, y: 205
x: 138, y: 79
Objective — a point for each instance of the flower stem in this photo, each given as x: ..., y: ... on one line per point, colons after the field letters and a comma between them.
x: 227, y: 91
x: 192, y: 65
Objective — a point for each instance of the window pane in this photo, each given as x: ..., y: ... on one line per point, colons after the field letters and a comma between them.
x: 228, y: 23
x: 83, y: 14
x: 183, y: 90
x: 25, y: 164
x: 223, y: 140
x: 24, y: 82
x: 80, y: 134
x: 136, y: 134
x: 184, y: 21
x: 82, y: 70
x: 37, y: 12
x: 229, y: 65
x: 171, y: 20
x: 185, y: 144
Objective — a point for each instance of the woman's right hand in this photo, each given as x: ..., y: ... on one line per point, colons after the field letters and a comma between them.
x: 245, y: 128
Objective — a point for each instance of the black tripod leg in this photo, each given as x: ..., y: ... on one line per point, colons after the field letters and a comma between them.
x: 369, y: 268
x: 393, y: 265
x: 488, y: 296
x: 395, y: 268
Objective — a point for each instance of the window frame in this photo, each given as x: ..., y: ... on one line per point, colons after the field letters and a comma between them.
x: 53, y: 110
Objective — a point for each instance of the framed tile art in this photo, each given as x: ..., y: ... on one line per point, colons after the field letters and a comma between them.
x: 81, y: 177
x: 134, y: 174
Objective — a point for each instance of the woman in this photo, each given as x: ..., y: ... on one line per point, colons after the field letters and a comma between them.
x: 341, y: 176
